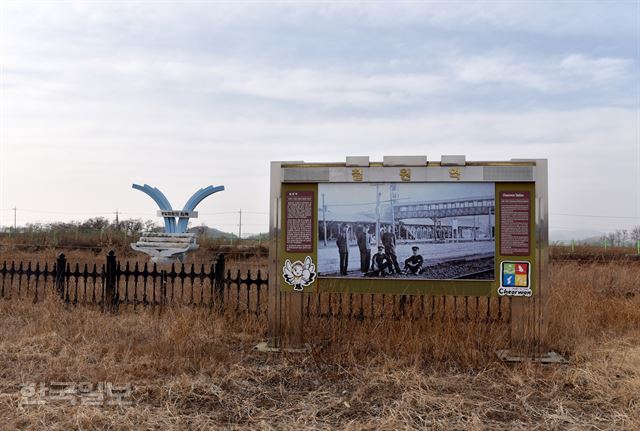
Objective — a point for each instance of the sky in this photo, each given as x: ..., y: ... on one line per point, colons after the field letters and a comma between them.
x: 96, y: 96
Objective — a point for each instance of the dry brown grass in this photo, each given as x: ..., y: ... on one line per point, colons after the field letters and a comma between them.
x: 246, y: 257
x: 194, y: 370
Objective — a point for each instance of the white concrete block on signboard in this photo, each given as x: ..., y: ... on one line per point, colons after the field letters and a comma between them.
x: 357, y: 161
x: 448, y: 160
x: 404, y: 161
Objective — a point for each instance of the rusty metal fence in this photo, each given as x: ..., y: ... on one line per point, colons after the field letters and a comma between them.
x: 365, y: 306
x: 117, y: 286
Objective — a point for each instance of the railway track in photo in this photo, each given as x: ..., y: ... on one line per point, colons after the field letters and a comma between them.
x: 474, y: 267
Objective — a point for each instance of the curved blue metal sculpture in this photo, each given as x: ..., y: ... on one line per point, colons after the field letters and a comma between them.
x: 163, y: 203
x: 193, y: 202
x: 170, y: 225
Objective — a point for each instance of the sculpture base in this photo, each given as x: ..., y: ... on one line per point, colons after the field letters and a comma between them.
x: 166, y: 248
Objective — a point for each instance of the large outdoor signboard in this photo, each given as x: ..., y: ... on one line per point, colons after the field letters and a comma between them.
x: 409, y: 226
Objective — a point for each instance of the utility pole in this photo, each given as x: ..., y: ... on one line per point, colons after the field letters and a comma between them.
x: 240, y: 227
x: 489, y: 222
x: 324, y: 220
x: 377, y: 215
x: 392, y: 191
x: 15, y: 219
x: 475, y: 235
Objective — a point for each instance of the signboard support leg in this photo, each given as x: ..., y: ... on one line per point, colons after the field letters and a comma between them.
x: 275, y: 312
x: 274, y: 318
x: 529, y: 316
x: 295, y: 333
x: 285, y: 309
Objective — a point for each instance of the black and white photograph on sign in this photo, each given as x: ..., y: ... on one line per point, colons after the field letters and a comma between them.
x: 432, y: 231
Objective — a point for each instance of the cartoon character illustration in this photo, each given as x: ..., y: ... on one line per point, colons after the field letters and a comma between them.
x: 298, y: 274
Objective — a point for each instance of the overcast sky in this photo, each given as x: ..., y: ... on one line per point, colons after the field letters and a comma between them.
x: 98, y: 95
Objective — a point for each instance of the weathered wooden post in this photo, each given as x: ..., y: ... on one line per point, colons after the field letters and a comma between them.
x: 61, y: 265
x: 529, y: 315
x: 285, y: 308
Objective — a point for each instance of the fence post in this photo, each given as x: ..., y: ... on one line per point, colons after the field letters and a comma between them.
x: 219, y: 283
x: 163, y: 289
x: 61, y: 266
x: 111, y: 294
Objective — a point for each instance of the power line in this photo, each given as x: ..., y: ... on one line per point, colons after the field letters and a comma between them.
x: 30, y: 210
x: 61, y: 212
x: 217, y: 213
x: 234, y: 212
x: 596, y: 216
x: 243, y: 224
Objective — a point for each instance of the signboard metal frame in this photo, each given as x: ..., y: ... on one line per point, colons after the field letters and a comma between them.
x: 286, y: 305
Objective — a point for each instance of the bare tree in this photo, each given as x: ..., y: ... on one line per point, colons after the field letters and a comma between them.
x: 617, y: 235
x: 151, y: 226
x: 132, y: 226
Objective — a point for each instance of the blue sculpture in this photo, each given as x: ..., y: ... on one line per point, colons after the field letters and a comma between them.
x: 170, y: 221
x: 175, y: 242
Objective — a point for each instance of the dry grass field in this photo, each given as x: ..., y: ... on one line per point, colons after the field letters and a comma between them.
x: 191, y: 369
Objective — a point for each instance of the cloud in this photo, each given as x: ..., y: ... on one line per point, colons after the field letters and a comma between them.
x: 502, y: 70
x: 30, y: 81
x: 297, y: 57
x: 570, y: 73
x: 603, y: 70
x: 179, y: 95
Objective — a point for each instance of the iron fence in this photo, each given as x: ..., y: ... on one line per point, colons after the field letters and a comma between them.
x: 115, y: 285
x: 370, y: 307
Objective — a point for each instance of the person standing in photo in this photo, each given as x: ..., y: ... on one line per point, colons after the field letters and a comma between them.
x: 365, y: 249
x: 343, y: 249
x: 389, y: 242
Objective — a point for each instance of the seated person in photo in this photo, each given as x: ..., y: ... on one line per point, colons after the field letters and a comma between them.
x: 380, y: 264
x: 413, y: 265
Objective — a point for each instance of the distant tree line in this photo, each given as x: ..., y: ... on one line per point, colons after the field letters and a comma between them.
x: 622, y: 237
x: 130, y: 226
x: 101, y: 232
x: 94, y: 232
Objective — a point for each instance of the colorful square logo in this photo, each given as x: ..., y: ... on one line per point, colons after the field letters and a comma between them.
x: 508, y: 268
x: 522, y: 280
x: 515, y: 274
x: 508, y: 280
x: 521, y: 268
x: 515, y: 279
